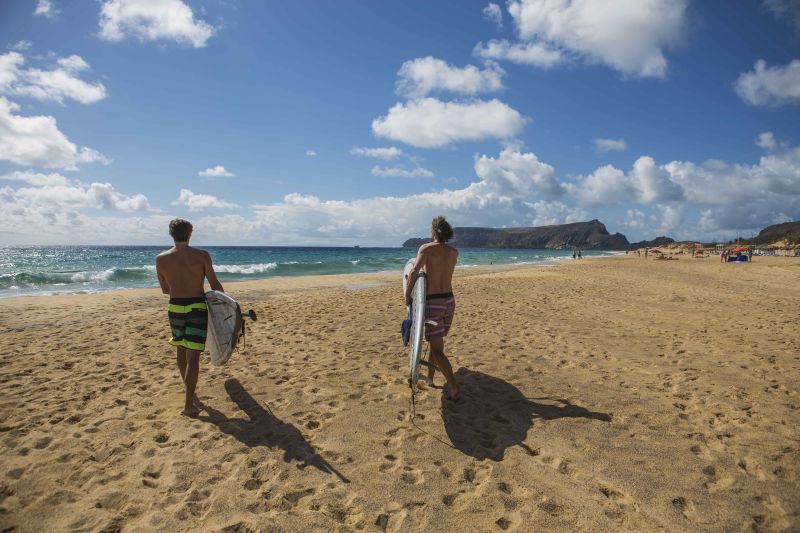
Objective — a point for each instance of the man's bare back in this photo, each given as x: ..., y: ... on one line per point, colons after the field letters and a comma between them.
x: 182, y: 271
x: 439, y: 261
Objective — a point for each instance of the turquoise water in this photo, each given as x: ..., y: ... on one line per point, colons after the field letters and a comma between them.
x: 27, y: 270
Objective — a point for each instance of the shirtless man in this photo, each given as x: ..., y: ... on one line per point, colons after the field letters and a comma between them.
x: 439, y: 261
x: 182, y: 271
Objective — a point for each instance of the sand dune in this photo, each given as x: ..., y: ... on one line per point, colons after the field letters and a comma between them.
x: 611, y: 394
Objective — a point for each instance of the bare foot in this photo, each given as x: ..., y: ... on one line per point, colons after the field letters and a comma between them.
x: 191, y: 412
x: 198, y: 404
x: 452, y: 395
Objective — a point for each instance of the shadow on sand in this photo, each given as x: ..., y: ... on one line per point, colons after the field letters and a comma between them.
x: 492, y: 415
x: 262, y: 428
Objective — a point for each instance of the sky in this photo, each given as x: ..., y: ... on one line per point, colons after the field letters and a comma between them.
x: 356, y: 122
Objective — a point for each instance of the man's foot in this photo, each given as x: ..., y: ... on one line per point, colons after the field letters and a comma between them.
x: 191, y: 412
x: 453, y: 394
x: 198, y: 404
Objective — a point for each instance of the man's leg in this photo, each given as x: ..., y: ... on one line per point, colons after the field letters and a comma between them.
x: 190, y: 379
x: 182, y: 362
x: 438, y: 358
x: 431, y: 367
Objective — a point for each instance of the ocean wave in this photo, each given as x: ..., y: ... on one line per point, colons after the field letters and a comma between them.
x: 257, y: 268
x: 17, y: 280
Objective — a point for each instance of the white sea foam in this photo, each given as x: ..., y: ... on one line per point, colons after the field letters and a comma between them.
x: 258, y: 268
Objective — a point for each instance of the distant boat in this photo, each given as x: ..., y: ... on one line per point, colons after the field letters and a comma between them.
x: 356, y: 246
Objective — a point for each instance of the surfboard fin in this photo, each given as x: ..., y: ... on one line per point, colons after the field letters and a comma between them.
x: 431, y: 323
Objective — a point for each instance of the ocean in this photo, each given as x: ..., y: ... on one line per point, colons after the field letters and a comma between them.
x: 36, y: 270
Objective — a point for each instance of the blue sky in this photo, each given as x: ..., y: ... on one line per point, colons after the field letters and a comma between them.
x: 656, y: 117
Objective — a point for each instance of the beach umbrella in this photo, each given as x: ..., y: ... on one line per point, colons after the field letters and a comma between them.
x: 739, y: 249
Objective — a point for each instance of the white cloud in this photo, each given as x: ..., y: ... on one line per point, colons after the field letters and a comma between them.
x: 55, y: 193
x: 153, y: 20
x: 46, y: 9
x: 397, y: 172
x: 608, y: 145
x: 534, y: 54
x: 551, y: 213
x: 311, y: 153
x: 388, y: 153
x: 199, y: 202
x: 35, y: 178
x: 518, y: 174
x: 431, y: 123
x: 56, y: 85
x: 627, y: 36
x: 22, y: 46
x: 425, y: 75
x: 766, y: 140
x: 770, y: 86
x: 785, y: 8
x: 37, y: 141
x: 493, y: 13
x: 216, y: 172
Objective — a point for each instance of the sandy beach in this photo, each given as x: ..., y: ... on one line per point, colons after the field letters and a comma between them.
x: 609, y: 394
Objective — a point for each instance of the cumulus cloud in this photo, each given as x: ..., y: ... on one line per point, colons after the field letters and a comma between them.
x: 534, y: 54
x: 388, y: 153
x: 494, y: 14
x: 770, y: 86
x: 46, y: 8
x: 311, y: 153
x: 54, y: 193
x: 521, y: 174
x: 397, y: 172
x: 627, y: 36
x: 426, y: 75
x: 22, y: 46
x: 37, y: 141
x: 153, y: 20
x: 431, y: 123
x: 56, y: 84
x: 199, y: 202
x: 216, y: 172
x: 789, y: 9
x: 610, y: 145
x: 551, y: 213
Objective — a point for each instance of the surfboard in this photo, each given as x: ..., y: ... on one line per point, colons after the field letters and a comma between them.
x: 417, y: 314
x: 225, y: 326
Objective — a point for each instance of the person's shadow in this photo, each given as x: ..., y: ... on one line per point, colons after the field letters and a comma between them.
x: 492, y: 415
x: 262, y: 428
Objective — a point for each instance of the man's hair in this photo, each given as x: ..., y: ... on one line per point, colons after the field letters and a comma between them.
x: 180, y: 230
x: 442, y: 229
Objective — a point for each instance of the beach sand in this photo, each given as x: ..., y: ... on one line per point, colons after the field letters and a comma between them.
x: 608, y: 394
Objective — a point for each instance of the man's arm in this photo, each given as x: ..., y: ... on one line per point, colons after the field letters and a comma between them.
x: 210, y: 274
x: 161, y: 279
x: 412, y: 276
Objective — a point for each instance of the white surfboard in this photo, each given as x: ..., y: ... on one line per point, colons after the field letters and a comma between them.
x: 417, y: 320
x: 225, y: 326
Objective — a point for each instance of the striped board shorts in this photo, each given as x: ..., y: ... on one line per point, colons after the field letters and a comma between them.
x: 440, y: 308
x: 188, y: 319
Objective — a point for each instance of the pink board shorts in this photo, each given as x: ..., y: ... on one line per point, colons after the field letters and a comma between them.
x: 440, y: 308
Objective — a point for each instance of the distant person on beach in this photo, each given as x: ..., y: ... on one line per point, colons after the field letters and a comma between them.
x: 579, y: 255
x: 439, y: 261
x: 182, y: 271
x: 749, y: 255
x: 645, y: 254
x: 574, y: 254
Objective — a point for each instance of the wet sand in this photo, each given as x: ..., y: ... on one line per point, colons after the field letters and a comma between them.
x: 608, y: 394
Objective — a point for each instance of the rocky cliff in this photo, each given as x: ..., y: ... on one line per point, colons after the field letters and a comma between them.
x: 590, y: 235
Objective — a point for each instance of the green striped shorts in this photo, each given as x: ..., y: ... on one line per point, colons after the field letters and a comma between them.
x: 188, y: 318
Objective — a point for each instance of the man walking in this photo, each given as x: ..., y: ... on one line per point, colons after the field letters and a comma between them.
x: 439, y: 261
x: 182, y: 271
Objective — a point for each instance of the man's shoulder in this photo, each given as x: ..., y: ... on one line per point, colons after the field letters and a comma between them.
x: 165, y: 253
